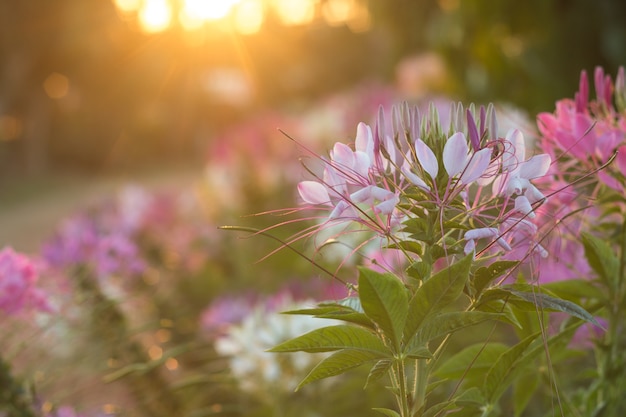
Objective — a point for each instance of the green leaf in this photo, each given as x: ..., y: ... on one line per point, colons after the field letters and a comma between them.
x: 348, y: 310
x: 339, y: 363
x: 349, y: 317
x: 419, y: 270
x: 474, y: 360
x: 544, y: 301
x: 501, y: 307
x: 418, y: 352
x: 385, y: 301
x: 387, y: 412
x: 328, y: 339
x: 471, y: 396
x: 574, y: 289
x: 446, y: 323
x: 523, y: 391
x: 601, y: 259
x: 437, y: 292
x: 379, y: 370
x: 436, y: 409
x: 486, y: 274
x: 408, y: 246
x: 505, y: 369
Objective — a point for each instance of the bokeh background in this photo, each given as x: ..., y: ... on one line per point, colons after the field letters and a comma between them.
x: 92, y: 90
x: 92, y: 85
x: 133, y: 128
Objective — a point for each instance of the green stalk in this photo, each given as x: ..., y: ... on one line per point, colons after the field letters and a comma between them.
x: 421, y: 376
x: 403, y: 394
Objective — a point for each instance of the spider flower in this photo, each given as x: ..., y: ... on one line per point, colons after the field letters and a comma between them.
x: 411, y: 170
x: 584, y: 133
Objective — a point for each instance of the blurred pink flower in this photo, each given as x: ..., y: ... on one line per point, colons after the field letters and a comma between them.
x: 18, y: 279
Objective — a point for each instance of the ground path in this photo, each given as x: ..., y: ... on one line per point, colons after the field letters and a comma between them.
x: 30, y: 209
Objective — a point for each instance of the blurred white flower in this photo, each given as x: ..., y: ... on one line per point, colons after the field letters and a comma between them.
x: 246, y: 345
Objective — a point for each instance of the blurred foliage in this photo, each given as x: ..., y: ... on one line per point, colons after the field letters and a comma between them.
x: 137, y: 98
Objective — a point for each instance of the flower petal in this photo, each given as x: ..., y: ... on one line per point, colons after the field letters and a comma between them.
x: 427, y: 159
x: 364, y: 141
x: 535, y: 167
x: 481, y: 233
x: 523, y: 206
x: 518, y: 151
x: 387, y: 206
x: 313, y: 192
x: 455, y: 154
x: 476, y: 166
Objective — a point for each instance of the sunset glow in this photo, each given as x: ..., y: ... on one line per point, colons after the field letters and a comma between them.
x: 243, y: 16
x: 155, y: 15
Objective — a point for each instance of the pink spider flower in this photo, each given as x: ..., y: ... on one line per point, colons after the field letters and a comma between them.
x: 585, y: 133
x: 18, y: 280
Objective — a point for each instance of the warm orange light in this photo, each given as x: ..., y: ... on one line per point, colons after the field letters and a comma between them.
x: 208, y: 9
x: 155, y: 352
x: 171, y: 364
x: 155, y: 15
x: 295, y: 12
x: 127, y: 6
x: 248, y: 17
x: 337, y: 12
x: 10, y: 127
x: 56, y: 85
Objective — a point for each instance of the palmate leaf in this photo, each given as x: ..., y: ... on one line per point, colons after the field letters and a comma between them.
x: 339, y: 363
x: 385, y: 301
x: 437, y: 292
x: 331, y: 338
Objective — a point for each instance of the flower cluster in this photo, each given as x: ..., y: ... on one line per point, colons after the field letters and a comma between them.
x: 248, y: 325
x: 413, y: 171
x: 584, y: 135
x: 18, y: 280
